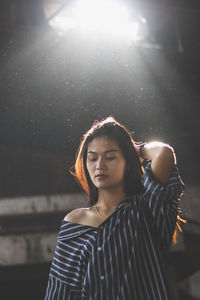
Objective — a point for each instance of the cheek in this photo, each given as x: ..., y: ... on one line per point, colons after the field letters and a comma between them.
x: 122, y: 165
x: 123, y: 169
x: 119, y: 168
x: 89, y: 168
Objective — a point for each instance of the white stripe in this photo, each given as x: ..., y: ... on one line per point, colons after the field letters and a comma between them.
x: 110, y: 263
x: 65, y: 277
x: 104, y: 259
x: 127, y: 246
x: 137, y: 268
x: 155, y: 259
x: 65, y: 264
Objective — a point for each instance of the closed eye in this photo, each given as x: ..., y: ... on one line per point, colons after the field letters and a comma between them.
x: 108, y: 158
x: 92, y: 159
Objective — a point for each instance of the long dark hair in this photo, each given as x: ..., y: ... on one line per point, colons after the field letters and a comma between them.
x: 120, y: 134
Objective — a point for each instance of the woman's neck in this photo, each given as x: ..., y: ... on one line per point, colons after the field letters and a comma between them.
x: 109, y: 199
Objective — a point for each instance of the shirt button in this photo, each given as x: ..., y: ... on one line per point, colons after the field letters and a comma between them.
x: 102, y: 277
x: 99, y: 248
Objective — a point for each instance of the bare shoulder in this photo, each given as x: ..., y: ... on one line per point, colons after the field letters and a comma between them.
x: 85, y: 216
x: 77, y: 215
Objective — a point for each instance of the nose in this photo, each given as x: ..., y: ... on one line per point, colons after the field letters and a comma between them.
x: 100, y: 164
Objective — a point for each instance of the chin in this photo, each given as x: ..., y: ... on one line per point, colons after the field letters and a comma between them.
x: 102, y: 186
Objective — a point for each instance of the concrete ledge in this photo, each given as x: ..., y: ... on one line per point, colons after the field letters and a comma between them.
x: 27, y: 248
x: 41, y: 204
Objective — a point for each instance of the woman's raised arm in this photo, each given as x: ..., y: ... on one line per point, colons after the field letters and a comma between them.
x: 162, y: 158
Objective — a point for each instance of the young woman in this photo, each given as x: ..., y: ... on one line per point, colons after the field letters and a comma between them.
x: 115, y: 249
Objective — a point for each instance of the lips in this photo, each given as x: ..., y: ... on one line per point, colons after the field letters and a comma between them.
x: 101, y: 176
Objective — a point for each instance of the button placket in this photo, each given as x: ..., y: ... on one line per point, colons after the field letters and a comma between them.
x: 99, y: 252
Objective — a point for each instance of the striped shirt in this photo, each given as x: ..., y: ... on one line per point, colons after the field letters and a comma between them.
x: 124, y: 258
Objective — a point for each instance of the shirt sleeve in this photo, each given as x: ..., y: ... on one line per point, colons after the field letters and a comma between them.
x: 162, y: 201
x: 68, y: 265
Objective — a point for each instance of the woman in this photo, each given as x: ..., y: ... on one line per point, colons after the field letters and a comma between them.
x: 115, y: 249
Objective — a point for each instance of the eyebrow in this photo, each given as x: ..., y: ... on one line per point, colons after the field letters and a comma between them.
x: 107, y: 151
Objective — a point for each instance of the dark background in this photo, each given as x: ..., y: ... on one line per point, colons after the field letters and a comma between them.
x: 52, y: 88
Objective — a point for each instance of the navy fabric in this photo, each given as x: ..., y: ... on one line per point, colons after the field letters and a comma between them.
x: 124, y: 258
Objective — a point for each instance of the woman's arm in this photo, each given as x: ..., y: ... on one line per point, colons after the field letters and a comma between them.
x: 162, y: 158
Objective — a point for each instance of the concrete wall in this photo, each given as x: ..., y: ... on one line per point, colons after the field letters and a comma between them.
x: 33, y: 247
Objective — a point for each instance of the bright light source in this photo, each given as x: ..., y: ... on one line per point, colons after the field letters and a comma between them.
x: 107, y: 17
x: 101, y: 16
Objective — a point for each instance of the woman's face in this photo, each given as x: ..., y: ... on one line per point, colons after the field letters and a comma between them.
x: 105, y: 163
